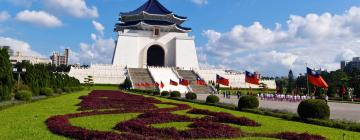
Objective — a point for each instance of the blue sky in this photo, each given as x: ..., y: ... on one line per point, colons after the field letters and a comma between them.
x: 247, y: 32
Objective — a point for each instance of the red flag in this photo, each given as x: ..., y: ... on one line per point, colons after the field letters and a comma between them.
x: 343, y: 90
x: 200, y: 82
x: 173, y: 83
x: 156, y: 84
x: 184, y: 82
x: 147, y: 84
x: 162, y: 85
x: 315, y: 79
x: 252, y: 78
x: 222, y: 80
x: 137, y: 84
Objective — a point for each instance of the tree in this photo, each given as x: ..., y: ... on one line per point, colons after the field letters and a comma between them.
x: 89, y: 81
x: 6, y: 76
x: 127, y: 84
x: 291, y: 82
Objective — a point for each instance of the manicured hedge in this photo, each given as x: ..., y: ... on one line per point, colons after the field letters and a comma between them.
x: 313, y: 108
x: 191, y: 96
x: 214, y: 125
x: 345, y: 125
x: 249, y: 102
x: 175, y: 94
x: 156, y: 93
x: 23, y: 95
x: 165, y: 93
x: 212, y: 99
x: 47, y: 91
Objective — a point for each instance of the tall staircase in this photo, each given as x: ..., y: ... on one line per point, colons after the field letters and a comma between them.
x: 191, y: 76
x: 139, y: 75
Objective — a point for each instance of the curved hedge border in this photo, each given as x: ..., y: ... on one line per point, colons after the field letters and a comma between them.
x: 340, y: 124
x: 210, y: 126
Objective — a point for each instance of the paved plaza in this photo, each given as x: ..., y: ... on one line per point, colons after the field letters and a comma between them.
x: 342, y: 111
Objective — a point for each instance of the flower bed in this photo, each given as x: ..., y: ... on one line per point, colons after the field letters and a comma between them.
x: 212, y: 125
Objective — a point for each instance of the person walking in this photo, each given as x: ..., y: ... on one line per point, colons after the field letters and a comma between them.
x: 238, y: 94
x: 326, y: 99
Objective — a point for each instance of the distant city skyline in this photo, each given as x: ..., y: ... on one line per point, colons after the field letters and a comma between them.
x: 268, y: 36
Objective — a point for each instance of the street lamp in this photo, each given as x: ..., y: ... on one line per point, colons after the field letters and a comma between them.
x: 16, y: 71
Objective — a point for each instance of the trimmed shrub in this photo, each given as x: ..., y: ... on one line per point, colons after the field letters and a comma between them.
x: 249, y: 102
x: 212, y: 99
x: 165, y: 93
x: 23, y: 95
x: 156, y: 93
x: 47, y: 91
x: 313, y: 108
x: 175, y: 94
x: 59, y: 91
x: 191, y: 96
x: 67, y: 89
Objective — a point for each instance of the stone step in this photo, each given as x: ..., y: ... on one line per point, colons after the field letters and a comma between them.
x: 139, y: 75
x: 190, y: 75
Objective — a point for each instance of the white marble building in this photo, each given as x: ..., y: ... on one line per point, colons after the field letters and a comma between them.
x: 152, y: 36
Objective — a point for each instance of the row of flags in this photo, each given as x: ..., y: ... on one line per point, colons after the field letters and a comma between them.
x: 253, y: 78
x: 183, y: 82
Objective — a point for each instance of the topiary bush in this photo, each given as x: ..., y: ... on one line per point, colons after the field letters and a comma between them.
x: 23, y: 95
x: 175, y: 94
x: 313, y: 108
x: 59, y: 91
x: 165, y: 93
x: 249, y: 102
x: 67, y: 89
x: 191, y: 96
x: 156, y: 93
x: 47, y: 91
x: 212, y: 99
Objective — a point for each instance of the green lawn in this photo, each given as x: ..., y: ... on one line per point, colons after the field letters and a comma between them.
x: 27, y: 121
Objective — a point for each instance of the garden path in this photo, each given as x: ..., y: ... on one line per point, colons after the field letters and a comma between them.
x: 342, y: 111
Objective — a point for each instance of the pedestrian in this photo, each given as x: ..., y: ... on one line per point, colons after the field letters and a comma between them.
x: 238, y: 94
x: 326, y: 99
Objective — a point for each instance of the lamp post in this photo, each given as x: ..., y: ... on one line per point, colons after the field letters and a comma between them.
x: 19, y: 72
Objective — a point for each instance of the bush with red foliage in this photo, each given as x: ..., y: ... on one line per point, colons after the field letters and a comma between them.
x: 224, y: 117
x: 115, y: 102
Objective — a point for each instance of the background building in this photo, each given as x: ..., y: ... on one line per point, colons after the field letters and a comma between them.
x: 353, y: 64
x: 18, y: 57
x: 60, y: 59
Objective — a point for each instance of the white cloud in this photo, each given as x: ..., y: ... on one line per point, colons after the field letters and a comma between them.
x: 98, y: 26
x: 18, y: 45
x: 4, y: 15
x: 318, y: 40
x: 39, y: 17
x: 200, y: 2
x: 76, y: 8
x: 100, y: 51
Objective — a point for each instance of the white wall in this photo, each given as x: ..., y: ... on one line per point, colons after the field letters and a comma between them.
x: 186, y: 57
x: 132, y: 46
x: 102, y: 74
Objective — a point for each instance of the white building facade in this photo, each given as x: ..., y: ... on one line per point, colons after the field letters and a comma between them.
x: 153, y: 36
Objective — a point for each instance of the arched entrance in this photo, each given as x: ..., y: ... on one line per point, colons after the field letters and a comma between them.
x: 156, y: 56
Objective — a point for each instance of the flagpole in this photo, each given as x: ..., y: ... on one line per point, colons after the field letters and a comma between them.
x: 307, y: 80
